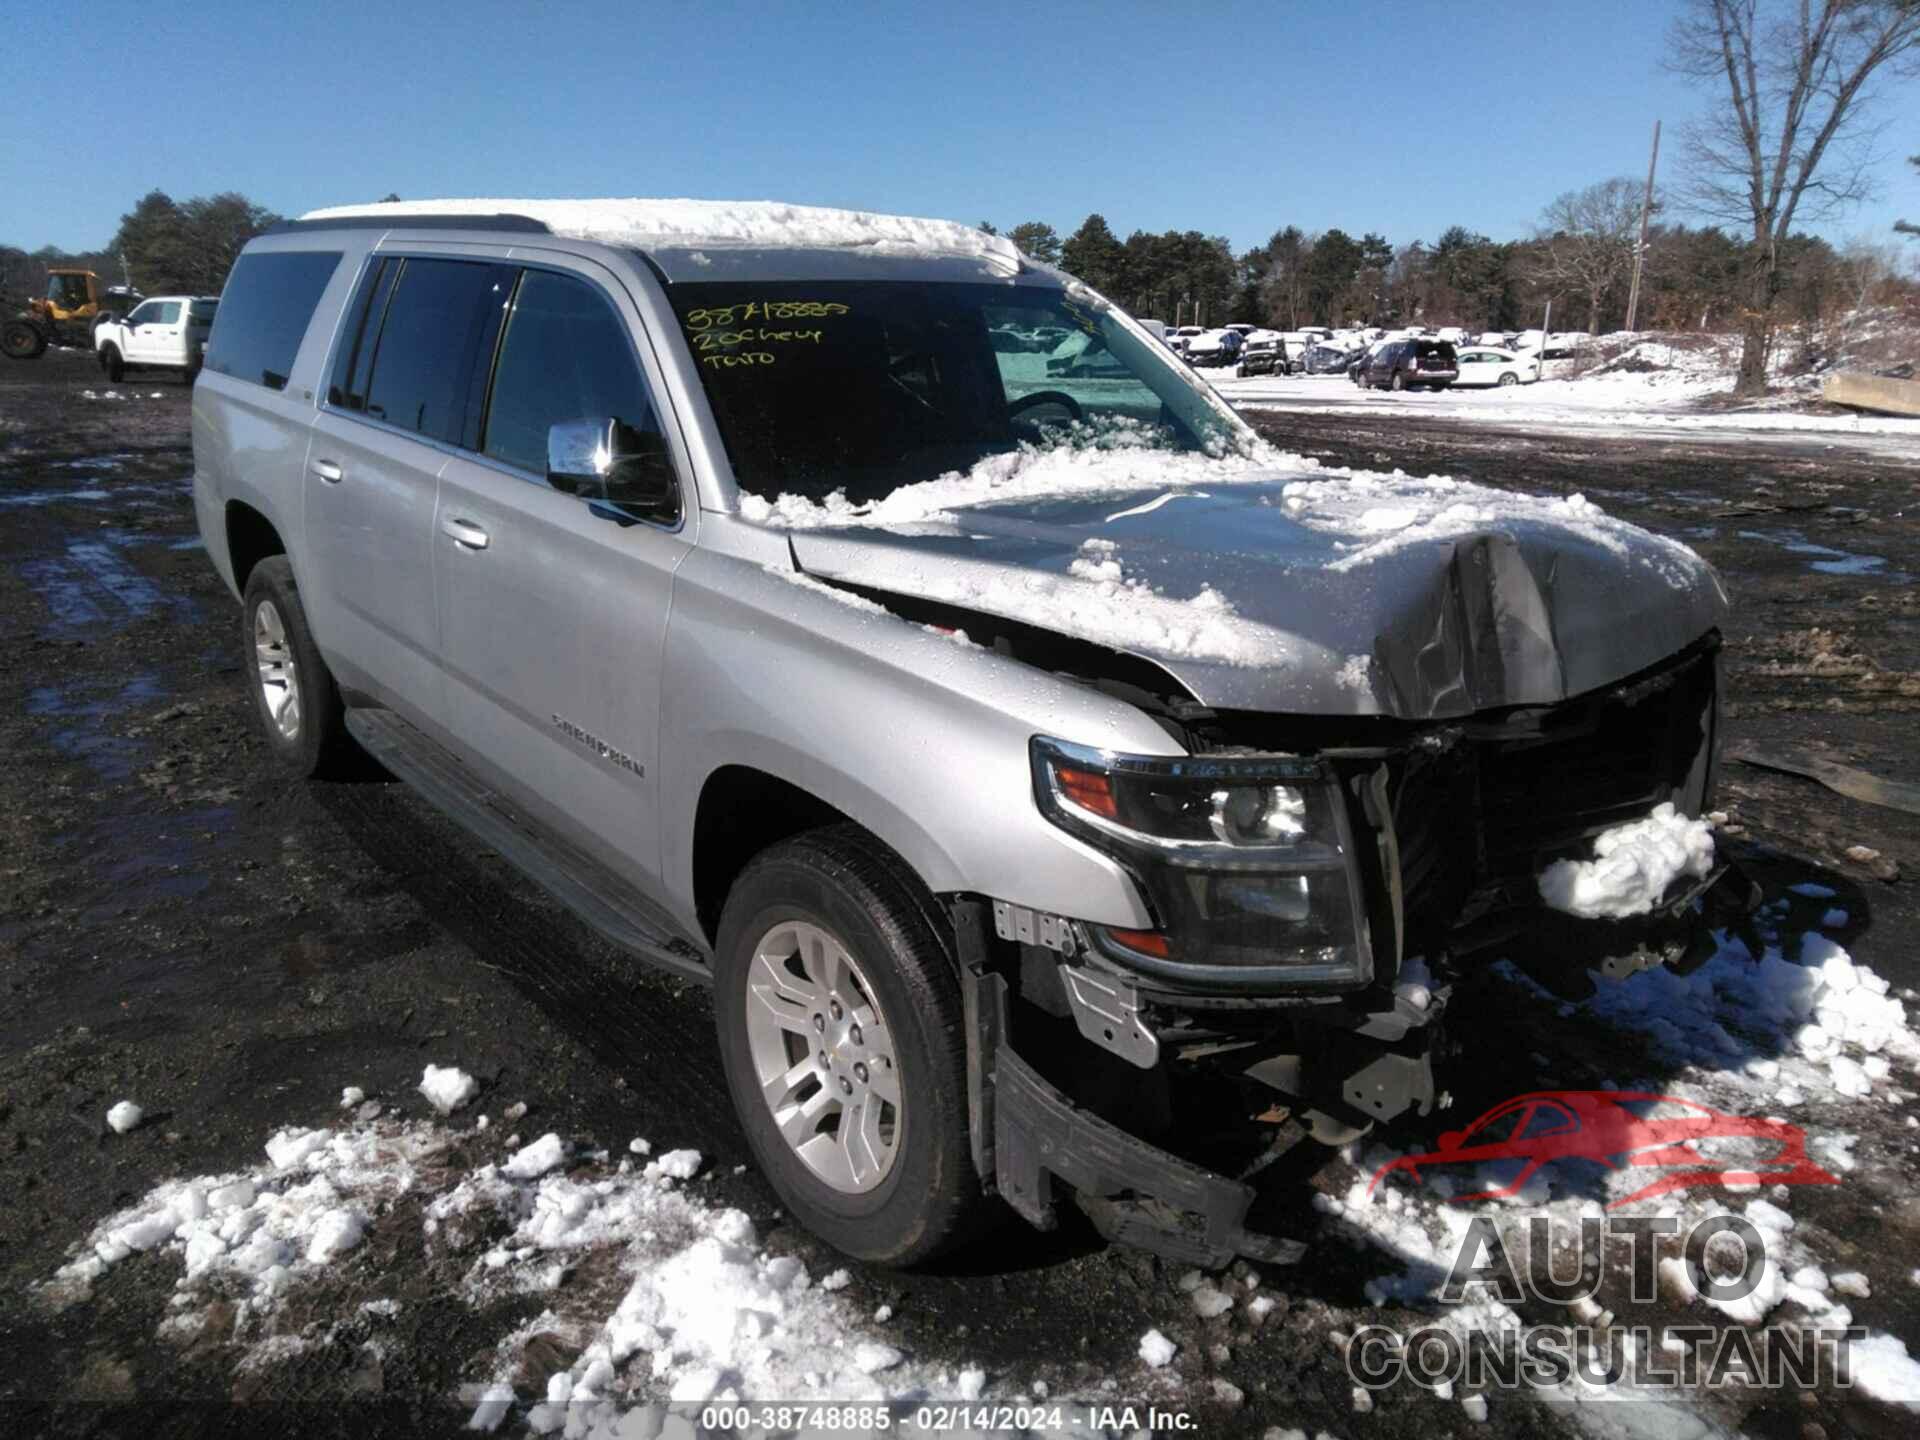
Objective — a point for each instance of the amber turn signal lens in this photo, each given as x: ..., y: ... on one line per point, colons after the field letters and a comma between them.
x: 1088, y: 789
x: 1147, y: 942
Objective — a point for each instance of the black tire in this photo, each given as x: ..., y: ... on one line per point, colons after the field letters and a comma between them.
x: 844, y: 881
x: 1398, y: 382
x: 110, y: 361
x: 22, y: 341
x: 319, y: 744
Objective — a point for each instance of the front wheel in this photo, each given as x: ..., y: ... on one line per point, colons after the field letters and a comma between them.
x: 844, y: 1045
x: 22, y: 341
x: 111, y: 363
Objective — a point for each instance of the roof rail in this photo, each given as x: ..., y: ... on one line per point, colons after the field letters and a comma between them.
x: 524, y: 224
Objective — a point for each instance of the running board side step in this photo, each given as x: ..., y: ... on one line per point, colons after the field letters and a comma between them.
x: 609, y: 905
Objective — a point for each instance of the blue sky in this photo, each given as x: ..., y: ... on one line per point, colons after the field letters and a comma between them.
x: 1233, y: 119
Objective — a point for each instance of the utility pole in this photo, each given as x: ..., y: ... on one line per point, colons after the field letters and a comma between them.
x: 1640, y: 250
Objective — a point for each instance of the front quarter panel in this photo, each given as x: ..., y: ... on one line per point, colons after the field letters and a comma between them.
x: 915, y: 735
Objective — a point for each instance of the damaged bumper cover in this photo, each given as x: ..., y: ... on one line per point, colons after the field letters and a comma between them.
x: 1028, y: 1135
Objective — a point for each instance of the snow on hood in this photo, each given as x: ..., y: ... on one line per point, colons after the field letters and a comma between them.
x: 718, y: 223
x: 1260, y: 582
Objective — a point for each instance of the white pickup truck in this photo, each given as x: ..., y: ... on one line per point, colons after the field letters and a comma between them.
x: 166, y: 332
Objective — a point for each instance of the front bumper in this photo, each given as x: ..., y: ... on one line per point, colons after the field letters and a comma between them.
x: 1028, y: 1136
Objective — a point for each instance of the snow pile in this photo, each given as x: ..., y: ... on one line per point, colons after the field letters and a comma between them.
x: 702, y: 1311
x: 714, y: 224
x: 124, y: 1116
x: 1632, y: 867
x: 260, y: 1231
x: 1766, y: 1028
x: 1111, y: 458
x: 1373, y: 516
x: 448, y: 1087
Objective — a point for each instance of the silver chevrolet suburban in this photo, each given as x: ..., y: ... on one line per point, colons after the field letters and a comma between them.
x: 1066, y: 796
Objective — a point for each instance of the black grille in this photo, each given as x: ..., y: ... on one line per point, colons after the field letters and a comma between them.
x: 1489, y: 812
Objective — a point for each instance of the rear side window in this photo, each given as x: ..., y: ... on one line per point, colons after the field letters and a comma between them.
x: 201, y: 311
x: 565, y: 357
x: 264, y: 312
x: 440, y: 316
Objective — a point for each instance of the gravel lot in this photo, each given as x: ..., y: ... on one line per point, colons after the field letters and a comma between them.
x: 181, y: 927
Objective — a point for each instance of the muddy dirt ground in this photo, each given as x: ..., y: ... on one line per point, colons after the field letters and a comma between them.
x: 180, y: 924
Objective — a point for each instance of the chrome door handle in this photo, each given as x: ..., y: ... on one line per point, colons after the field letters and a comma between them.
x: 465, y: 532
x: 328, y: 471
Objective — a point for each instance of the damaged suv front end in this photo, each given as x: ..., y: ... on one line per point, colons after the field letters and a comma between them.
x: 1388, y: 705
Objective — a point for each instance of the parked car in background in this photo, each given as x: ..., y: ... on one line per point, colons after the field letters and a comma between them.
x: 166, y: 332
x: 1408, y: 365
x: 1266, y: 353
x: 1329, y: 360
x: 1214, y: 347
x: 1499, y: 339
x: 1484, y: 365
x: 1183, y: 336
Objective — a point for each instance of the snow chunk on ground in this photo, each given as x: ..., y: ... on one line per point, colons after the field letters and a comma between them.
x: 1156, y: 1349
x: 870, y: 1357
x: 536, y: 1159
x: 495, y: 1402
x: 447, y: 1088
x: 351, y: 1096
x: 1883, y: 1369
x: 124, y: 1116
x: 1632, y: 867
x: 676, y: 1165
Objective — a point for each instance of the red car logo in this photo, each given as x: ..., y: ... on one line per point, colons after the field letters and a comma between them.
x: 1622, y: 1129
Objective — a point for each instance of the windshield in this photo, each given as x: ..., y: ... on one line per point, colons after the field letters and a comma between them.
x: 865, y: 386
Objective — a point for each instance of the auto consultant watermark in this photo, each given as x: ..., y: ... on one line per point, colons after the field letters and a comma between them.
x: 1557, y: 1259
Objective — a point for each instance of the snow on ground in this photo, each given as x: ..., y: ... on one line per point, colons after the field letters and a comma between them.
x: 447, y: 1088
x: 683, y: 1303
x: 1632, y: 866
x: 1759, y: 1036
x: 124, y: 1116
x: 1607, y: 401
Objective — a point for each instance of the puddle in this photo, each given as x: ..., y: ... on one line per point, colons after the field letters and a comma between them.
x: 1827, y: 560
x: 93, y: 585
x: 111, y: 757
x: 161, y: 858
x: 97, y: 462
x: 54, y: 497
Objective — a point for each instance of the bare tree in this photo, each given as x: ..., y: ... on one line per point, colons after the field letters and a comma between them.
x: 1787, y: 139
x: 1587, y: 240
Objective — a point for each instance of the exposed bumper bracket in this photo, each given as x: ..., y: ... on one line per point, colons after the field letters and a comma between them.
x: 1134, y: 1193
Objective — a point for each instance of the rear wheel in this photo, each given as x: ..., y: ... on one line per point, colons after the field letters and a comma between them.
x: 111, y: 362
x: 293, y: 691
x: 22, y: 341
x: 1509, y: 379
x: 843, y: 1040
x: 1398, y: 382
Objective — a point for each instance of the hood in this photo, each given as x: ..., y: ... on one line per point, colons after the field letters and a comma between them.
x: 1311, y: 594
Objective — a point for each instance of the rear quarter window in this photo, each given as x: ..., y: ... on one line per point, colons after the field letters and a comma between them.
x: 264, y: 312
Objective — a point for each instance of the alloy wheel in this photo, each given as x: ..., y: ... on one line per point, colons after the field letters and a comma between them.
x: 823, y: 1056
x: 279, y: 676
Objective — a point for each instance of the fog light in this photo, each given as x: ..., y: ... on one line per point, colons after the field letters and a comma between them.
x: 1258, y: 815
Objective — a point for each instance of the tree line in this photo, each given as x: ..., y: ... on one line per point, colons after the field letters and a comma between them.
x: 1580, y: 259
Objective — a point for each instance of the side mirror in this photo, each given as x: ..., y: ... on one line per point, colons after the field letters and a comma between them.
x: 606, y: 462
x: 1451, y: 1139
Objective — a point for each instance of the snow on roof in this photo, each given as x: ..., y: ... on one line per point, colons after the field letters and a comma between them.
x: 758, y: 224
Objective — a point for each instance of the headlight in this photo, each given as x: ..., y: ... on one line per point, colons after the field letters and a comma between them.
x: 1245, y: 861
